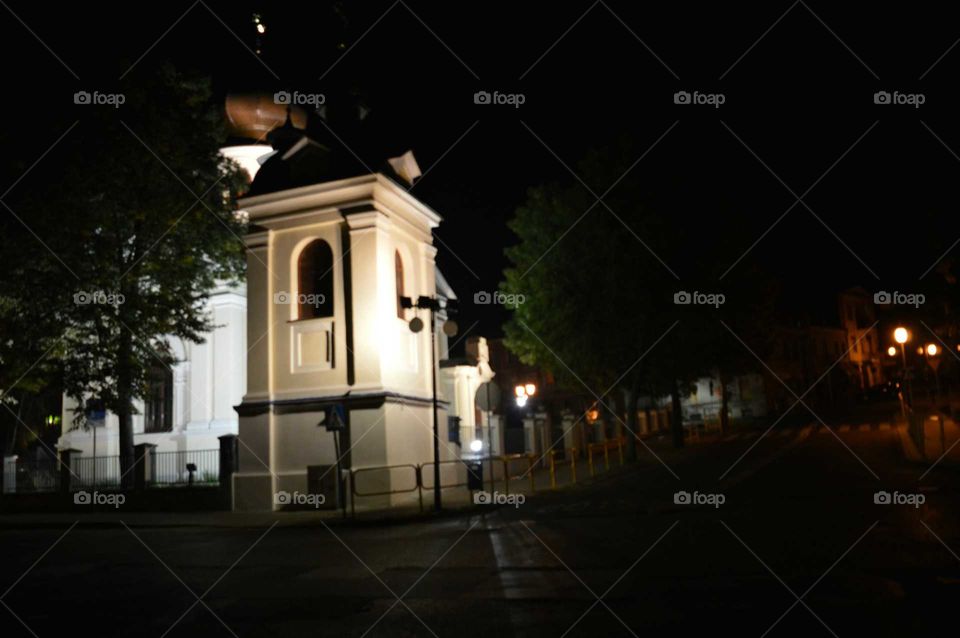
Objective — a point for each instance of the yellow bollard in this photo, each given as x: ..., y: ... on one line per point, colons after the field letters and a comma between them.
x: 553, y: 470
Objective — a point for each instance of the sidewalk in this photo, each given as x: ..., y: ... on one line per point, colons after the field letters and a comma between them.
x: 941, y: 441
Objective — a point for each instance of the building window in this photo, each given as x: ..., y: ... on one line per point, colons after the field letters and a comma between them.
x: 315, y: 281
x: 398, y: 272
x: 158, y: 403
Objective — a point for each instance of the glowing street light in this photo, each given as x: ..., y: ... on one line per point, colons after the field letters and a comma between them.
x: 932, y: 349
x: 524, y: 392
x: 476, y: 445
x: 900, y: 335
x: 892, y: 351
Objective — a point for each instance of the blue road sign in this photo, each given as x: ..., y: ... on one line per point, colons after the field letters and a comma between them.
x: 336, y: 418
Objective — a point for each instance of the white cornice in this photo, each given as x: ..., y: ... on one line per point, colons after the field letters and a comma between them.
x: 367, y: 220
x: 342, y: 193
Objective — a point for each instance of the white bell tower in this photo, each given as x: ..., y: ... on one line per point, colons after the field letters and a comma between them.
x: 325, y: 267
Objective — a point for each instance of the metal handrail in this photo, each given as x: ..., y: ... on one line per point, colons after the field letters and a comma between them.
x: 570, y: 459
x: 531, y: 459
x: 442, y: 486
x: 606, y: 446
x: 506, y: 459
x: 418, y: 483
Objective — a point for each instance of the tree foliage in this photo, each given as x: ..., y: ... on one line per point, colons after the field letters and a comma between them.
x: 127, y: 226
x: 599, y: 280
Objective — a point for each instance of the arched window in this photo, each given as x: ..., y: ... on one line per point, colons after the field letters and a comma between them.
x: 398, y: 270
x: 315, y: 281
x: 158, y: 402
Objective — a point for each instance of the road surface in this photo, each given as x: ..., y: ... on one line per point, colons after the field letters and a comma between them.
x: 786, y: 540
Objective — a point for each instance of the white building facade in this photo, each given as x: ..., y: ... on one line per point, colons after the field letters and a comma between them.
x: 191, y: 402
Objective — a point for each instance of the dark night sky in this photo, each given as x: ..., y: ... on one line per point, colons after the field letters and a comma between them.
x: 799, y: 99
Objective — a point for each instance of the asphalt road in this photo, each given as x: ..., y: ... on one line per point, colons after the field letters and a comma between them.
x: 798, y: 547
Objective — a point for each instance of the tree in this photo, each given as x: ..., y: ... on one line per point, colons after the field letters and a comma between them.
x: 139, y: 226
x: 591, y: 291
x: 600, y: 285
x: 32, y: 302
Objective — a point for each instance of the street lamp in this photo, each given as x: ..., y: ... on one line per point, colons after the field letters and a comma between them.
x: 432, y: 305
x: 892, y: 351
x: 523, y: 392
x: 934, y: 362
x: 901, y: 336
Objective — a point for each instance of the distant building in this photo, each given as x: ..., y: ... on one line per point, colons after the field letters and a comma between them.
x: 836, y: 354
x: 746, y: 399
x: 858, y: 318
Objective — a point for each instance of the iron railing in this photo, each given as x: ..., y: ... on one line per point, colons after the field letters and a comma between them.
x: 31, y: 475
x: 173, y: 468
x: 186, y: 467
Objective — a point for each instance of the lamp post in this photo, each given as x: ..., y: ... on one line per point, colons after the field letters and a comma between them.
x: 892, y: 352
x: 901, y: 336
x: 432, y: 305
x: 933, y: 360
x: 522, y: 393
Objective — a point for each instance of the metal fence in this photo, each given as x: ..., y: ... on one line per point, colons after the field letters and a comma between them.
x: 197, y: 467
x: 31, y: 475
x: 511, y: 471
x: 174, y: 468
x: 95, y: 471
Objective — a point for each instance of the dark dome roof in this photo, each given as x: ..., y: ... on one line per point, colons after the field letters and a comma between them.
x: 314, y: 153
